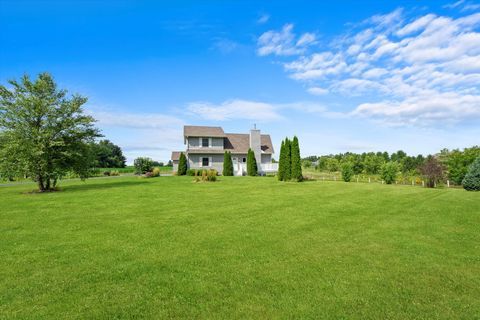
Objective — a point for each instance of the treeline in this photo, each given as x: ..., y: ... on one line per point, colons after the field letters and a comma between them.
x: 454, y: 164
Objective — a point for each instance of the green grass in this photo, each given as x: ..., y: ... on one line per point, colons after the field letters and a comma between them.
x: 238, y: 248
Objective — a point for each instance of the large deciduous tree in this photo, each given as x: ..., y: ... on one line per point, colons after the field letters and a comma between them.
x: 108, y: 155
x: 432, y: 170
x: 45, y: 132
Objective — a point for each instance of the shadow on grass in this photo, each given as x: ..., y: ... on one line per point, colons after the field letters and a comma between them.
x: 91, y: 185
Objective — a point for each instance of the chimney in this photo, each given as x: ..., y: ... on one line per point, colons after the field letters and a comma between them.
x: 255, y: 143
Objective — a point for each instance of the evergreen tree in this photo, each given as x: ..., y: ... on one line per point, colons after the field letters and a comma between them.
x: 471, y: 182
x: 251, y: 163
x: 227, y: 164
x: 347, y: 171
x: 295, y: 160
x: 281, y: 163
x: 182, y: 165
x: 287, y: 173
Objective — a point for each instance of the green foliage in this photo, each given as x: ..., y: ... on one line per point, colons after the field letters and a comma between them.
x: 227, y: 164
x: 156, y: 172
x: 471, y: 182
x: 108, y: 155
x: 458, y: 162
x: 281, y: 163
x: 347, y: 171
x: 206, y: 175
x: 373, y: 163
x: 143, y: 165
x: 296, y: 161
x: 182, y: 165
x: 252, y: 169
x: 389, y: 172
x: 45, y: 133
x: 287, y: 171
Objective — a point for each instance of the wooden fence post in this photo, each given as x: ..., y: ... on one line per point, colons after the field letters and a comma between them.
x: 448, y: 183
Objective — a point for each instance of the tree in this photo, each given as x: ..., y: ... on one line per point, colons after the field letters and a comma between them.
x: 281, y: 163
x: 347, y: 171
x: 458, y: 162
x: 287, y: 171
x: 182, y: 165
x: 252, y: 169
x: 45, y: 133
x: 432, y: 170
x: 389, y: 172
x: 373, y: 163
x: 108, y: 155
x: 471, y: 182
x: 296, y: 165
x: 143, y: 165
x: 227, y: 164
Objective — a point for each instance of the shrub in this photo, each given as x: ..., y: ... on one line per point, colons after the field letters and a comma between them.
x: 114, y: 173
x: 227, y: 164
x: 389, y: 172
x: 191, y: 172
x: 251, y: 163
x: 182, y: 165
x: 156, y: 172
x: 347, y: 171
x: 206, y: 176
x: 106, y: 173
x: 471, y: 182
x: 143, y: 165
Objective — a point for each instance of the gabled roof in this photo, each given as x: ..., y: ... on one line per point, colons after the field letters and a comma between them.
x: 240, y: 143
x: 202, y: 131
x: 176, y: 155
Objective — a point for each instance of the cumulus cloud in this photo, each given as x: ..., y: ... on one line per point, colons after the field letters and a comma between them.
x: 234, y: 109
x: 406, y: 69
x: 263, y: 19
x: 284, y: 42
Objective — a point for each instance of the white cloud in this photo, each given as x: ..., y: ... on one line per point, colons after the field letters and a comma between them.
x: 318, y: 91
x: 284, y: 42
x: 263, y: 19
x: 410, y: 70
x: 235, y: 109
x: 225, y: 45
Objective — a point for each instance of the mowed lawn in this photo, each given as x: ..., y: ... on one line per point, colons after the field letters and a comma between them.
x: 238, y: 248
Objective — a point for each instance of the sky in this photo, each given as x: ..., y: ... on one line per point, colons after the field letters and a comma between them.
x: 343, y: 76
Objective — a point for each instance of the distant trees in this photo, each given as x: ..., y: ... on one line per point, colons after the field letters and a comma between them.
x: 252, y: 169
x: 182, y: 165
x: 143, y: 165
x: 44, y: 133
x: 227, y: 164
x: 290, y: 166
x: 389, y: 172
x: 458, y: 162
x: 432, y: 170
x: 108, y: 155
x: 471, y: 182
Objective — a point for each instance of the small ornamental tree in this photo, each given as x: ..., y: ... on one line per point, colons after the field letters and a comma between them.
x: 281, y: 163
x: 471, y: 182
x: 182, y: 165
x: 432, y: 170
x: 296, y: 164
x: 347, y: 171
x: 45, y: 133
x: 227, y: 164
x: 143, y: 165
x: 287, y: 171
x: 251, y: 163
x: 389, y: 172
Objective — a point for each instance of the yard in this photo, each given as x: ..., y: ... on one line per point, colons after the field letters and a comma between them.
x: 238, y: 248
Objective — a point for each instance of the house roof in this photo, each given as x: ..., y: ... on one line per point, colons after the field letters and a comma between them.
x: 202, y: 131
x: 176, y: 155
x: 238, y: 143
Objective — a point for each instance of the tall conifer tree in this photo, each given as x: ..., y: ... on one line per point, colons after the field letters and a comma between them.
x: 288, y: 160
x: 281, y: 163
x: 296, y: 161
x: 227, y: 164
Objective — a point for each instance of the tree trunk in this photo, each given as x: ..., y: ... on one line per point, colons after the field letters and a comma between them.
x: 41, y: 186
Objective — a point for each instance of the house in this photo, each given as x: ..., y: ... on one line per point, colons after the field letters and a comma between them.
x: 205, y: 148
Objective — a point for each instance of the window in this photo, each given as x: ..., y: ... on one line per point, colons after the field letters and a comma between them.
x: 205, y: 162
x: 205, y: 142
x: 244, y: 160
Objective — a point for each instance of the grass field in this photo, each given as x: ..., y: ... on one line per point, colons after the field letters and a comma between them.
x: 238, y: 248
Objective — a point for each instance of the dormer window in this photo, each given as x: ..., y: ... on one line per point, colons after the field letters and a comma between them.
x: 205, y: 142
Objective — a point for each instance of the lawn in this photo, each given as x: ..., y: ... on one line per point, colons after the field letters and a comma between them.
x: 239, y: 248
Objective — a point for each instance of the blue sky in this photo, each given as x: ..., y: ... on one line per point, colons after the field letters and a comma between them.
x: 342, y: 76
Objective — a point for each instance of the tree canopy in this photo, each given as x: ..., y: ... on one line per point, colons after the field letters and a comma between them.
x: 108, y: 155
x: 44, y: 132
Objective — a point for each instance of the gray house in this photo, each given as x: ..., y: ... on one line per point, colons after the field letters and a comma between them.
x: 207, y: 145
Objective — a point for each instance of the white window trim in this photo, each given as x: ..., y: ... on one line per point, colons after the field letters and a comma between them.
x: 200, y: 144
x: 209, y: 162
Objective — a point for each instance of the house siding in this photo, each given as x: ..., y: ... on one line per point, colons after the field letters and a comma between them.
x: 194, y: 143
x: 266, y: 158
x: 194, y: 161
